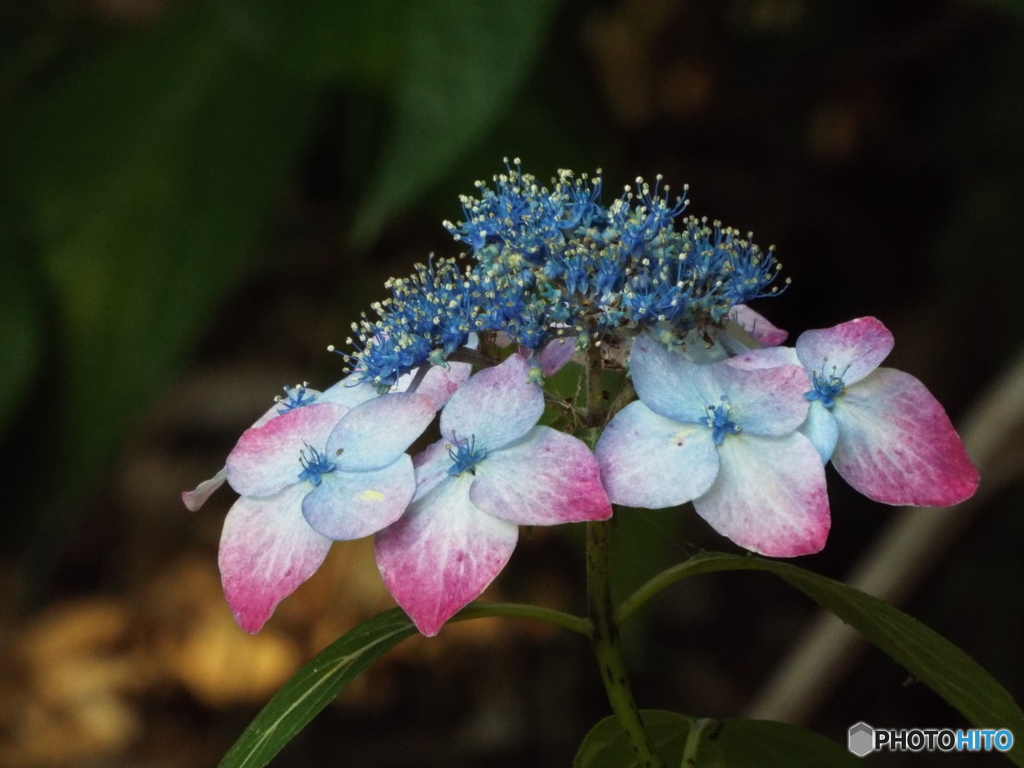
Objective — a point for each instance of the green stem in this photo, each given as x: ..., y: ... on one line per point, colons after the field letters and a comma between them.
x: 626, y: 396
x: 577, y: 624
x: 596, y: 410
x: 693, y: 741
x: 605, y: 639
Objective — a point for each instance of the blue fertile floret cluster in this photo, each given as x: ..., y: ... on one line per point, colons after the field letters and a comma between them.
x: 556, y: 263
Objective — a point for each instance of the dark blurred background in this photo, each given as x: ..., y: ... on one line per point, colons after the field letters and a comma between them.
x: 196, y: 198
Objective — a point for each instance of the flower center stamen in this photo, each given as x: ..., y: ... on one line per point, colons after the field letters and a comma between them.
x: 314, y: 464
x: 464, y: 455
x: 718, y: 421
x: 296, y: 397
x: 827, y: 387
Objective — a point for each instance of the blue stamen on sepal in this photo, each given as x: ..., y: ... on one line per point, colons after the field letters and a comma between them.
x: 719, y: 422
x: 314, y: 465
x: 464, y: 455
x: 295, y: 397
x: 826, y: 388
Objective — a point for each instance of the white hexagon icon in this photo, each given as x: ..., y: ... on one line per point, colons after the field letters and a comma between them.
x: 860, y: 739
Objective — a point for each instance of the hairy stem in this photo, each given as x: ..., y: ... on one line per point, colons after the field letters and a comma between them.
x: 605, y: 639
x: 597, y: 411
x: 626, y: 396
x: 605, y: 631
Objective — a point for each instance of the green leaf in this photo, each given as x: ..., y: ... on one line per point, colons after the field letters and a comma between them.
x: 766, y: 744
x: 147, y: 175
x: 350, y: 41
x: 320, y: 681
x: 720, y: 744
x: 606, y: 746
x: 929, y: 657
x: 315, y: 686
x: 466, y: 60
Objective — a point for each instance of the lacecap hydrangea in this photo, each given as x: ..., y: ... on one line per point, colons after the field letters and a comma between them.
x: 554, y: 263
x: 709, y: 407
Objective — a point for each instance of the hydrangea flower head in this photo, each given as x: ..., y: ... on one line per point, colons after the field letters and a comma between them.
x: 885, y: 433
x: 726, y: 418
x: 348, y: 392
x: 724, y: 438
x: 492, y: 471
x: 315, y: 474
x: 554, y: 264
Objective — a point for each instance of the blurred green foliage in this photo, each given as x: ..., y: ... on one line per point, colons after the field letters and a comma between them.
x: 146, y: 176
x: 145, y: 171
x: 20, y: 335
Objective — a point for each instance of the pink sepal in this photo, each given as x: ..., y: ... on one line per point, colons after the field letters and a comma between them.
x: 198, y: 496
x: 546, y: 478
x: 757, y: 326
x: 897, y: 446
x: 556, y: 354
x: 649, y: 461
x: 769, y: 496
x: 442, y: 554
x: 266, y: 551
x: 850, y: 350
x: 266, y: 458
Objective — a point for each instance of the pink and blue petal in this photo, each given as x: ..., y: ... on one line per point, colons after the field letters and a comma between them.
x: 431, y: 466
x: 348, y: 392
x: 769, y: 496
x: 198, y: 496
x: 374, y: 434
x: 266, y: 459
x: 545, y: 478
x: 442, y: 553
x: 763, y: 401
x: 440, y: 383
x: 667, y: 382
x: 556, y: 354
x: 496, y: 406
x: 351, y: 505
x: 266, y: 551
x: 822, y: 429
x: 649, y: 461
x: 897, y: 446
x: 757, y: 326
x: 849, y: 350
x: 769, y: 357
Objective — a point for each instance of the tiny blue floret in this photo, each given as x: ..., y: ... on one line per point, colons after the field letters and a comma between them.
x: 465, y: 455
x: 314, y: 465
x: 295, y: 398
x: 826, y: 388
x: 718, y: 421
